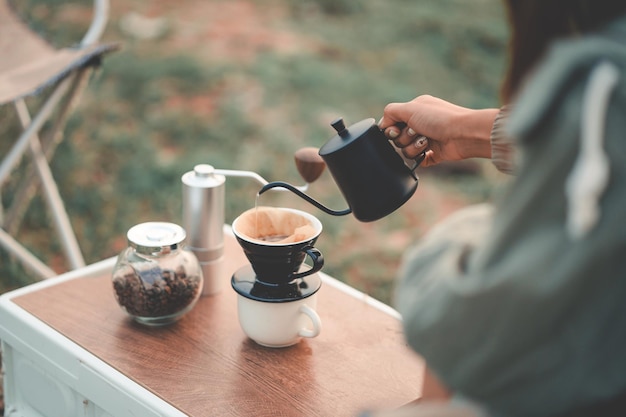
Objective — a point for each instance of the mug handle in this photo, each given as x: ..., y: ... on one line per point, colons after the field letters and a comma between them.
x: 318, y: 262
x: 315, y: 319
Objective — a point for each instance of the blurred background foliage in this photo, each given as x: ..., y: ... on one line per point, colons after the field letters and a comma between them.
x: 242, y: 84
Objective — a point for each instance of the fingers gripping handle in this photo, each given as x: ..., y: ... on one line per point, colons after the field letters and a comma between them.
x: 418, y: 159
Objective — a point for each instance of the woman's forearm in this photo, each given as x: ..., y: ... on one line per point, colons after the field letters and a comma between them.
x: 474, y: 133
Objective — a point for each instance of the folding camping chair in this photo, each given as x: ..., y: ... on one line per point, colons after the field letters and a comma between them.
x: 29, y: 66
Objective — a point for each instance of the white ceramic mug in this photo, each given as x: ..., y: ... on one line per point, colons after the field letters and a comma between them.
x: 278, y: 324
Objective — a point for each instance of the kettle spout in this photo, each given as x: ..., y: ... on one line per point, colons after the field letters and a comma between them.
x: 302, y: 195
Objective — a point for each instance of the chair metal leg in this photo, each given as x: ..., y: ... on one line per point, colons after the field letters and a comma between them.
x: 30, y: 261
x: 1, y: 207
x: 51, y: 192
x: 29, y: 185
x: 17, y: 151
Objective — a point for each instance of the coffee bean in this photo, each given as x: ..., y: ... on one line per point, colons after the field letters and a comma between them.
x: 155, y: 292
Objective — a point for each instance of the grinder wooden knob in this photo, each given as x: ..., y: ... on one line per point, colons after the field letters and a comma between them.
x: 309, y: 163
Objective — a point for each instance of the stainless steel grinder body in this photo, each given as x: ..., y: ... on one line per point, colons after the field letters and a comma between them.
x: 203, y: 220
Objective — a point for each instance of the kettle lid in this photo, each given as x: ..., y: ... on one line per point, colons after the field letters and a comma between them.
x: 345, y: 136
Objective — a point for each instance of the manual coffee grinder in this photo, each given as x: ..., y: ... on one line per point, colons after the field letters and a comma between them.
x: 203, y: 211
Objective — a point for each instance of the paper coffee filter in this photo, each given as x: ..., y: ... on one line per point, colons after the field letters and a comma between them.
x: 262, y: 222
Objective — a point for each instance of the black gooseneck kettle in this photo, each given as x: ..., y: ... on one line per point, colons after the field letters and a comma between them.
x: 371, y: 174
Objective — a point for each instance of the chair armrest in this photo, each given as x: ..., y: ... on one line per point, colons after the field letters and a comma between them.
x: 98, y: 22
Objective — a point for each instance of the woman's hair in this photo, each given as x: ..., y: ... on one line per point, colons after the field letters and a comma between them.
x: 536, y: 23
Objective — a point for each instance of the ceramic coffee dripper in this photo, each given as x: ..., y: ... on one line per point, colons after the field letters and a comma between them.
x: 369, y: 170
x: 276, y: 293
x: 278, y: 262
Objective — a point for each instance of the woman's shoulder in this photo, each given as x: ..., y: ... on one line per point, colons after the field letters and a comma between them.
x: 565, y: 68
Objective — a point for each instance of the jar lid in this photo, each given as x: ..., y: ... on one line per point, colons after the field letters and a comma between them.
x: 155, y: 238
x: 244, y: 282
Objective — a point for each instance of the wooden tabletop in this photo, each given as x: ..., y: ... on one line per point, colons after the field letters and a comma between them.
x: 204, y: 365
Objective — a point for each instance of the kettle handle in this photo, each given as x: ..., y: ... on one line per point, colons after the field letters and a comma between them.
x: 305, y: 197
x: 418, y: 159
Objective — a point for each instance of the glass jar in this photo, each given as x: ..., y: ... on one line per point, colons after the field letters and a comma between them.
x: 156, y: 280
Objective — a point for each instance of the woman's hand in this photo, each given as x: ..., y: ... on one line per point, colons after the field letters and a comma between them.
x: 446, y: 131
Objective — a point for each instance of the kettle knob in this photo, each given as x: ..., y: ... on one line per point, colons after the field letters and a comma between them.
x: 309, y: 163
x: 340, y: 127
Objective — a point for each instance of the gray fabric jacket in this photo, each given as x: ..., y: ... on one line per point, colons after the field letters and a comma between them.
x: 523, y: 308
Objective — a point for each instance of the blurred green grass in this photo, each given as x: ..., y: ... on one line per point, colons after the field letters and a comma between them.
x: 154, y: 110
